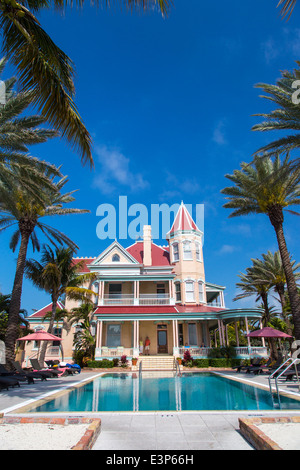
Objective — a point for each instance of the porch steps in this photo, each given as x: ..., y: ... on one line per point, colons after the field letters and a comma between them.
x: 156, y: 362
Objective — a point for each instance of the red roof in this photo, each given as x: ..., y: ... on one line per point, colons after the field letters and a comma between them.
x: 85, y: 262
x: 135, y: 309
x: 196, y: 308
x: 183, y: 221
x: 48, y: 308
x: 132, y: 309
x: 160, y: 256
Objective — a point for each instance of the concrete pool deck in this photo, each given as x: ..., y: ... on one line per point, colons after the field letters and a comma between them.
x: 203, y: 430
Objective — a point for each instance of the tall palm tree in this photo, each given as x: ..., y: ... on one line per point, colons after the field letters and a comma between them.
x: 269, y: 187
x: 17, y: 132
x: 21, y: 209
x: 45, y: 69
x: 58, y: 275
x: 285, y: 116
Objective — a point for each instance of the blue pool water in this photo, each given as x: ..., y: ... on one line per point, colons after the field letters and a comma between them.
x: 193, y: 391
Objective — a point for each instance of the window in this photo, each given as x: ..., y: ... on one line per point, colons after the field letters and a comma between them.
x: 115, y: 258
x: 189, y: 291
x: 115, y: 291
x: 198, y: 252
x: 201, y: 291
x: 177, y: 292
x: 160, y: 290
x: 57, y: 332
x: 113, y: 336
x: 187, y: 252
x: 175, y: 252
x: 192, y: 334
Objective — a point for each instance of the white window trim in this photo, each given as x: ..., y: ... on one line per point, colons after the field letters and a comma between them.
x: 189, y: 252
x: 173, y: 252
x: 198, y: 258
x: 190, y: 281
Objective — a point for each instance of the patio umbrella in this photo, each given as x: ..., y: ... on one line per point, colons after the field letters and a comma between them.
x: 268, y: 332
x: 40, y: 336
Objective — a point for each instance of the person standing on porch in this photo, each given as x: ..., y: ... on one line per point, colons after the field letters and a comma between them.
x: 147, y: 346
x: 141, y: 346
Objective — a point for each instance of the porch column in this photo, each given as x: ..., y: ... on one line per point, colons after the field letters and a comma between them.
x: 237, y: 335
x: 175, y: 340
x: 101, y: 293
x: 247, y: 330
x: 263, y: 339
x: 138, y: 334
x: 220, y: 333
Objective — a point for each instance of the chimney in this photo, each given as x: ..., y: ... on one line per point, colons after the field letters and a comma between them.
x: 147, y: 245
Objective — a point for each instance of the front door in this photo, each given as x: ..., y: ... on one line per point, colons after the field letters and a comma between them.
x: 162, y: 339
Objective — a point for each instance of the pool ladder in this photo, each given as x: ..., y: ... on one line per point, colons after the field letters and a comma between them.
x: 140, y: 368
x: 176, y: 367
x: 285, y: 367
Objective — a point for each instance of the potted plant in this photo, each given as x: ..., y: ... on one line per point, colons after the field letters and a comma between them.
x: 179, y: 360
x: 134, y: 361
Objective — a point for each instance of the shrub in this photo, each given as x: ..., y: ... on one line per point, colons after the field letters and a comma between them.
x: 219, y: 362
x: 102, y: 364
x: 201, y: 362
x: 187, y: 357
x: 123, y: 361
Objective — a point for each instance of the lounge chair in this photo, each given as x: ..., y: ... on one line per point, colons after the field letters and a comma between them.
x: 37, y: 368
x: 15, y: 375
x: 255, y: 363
x: 268, y: 369
x: 6, y: 382
x: 290, y: 373
x: 34, y: 375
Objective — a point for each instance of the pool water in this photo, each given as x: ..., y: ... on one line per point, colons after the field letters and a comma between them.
x: 149, y: 392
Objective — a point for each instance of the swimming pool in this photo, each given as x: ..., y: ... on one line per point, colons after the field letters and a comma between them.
x: 149, y: 392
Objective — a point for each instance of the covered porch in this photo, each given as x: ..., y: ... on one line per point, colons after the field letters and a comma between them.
x: 170, y: 332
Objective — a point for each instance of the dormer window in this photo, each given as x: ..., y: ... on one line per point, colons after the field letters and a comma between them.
x: 187, y: 251
x: 115, y: 258
x: 175, y: 252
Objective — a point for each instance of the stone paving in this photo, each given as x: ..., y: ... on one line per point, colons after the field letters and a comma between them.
x: 154, y: 431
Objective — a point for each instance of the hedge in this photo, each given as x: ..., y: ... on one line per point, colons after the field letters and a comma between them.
x: 215, y: 362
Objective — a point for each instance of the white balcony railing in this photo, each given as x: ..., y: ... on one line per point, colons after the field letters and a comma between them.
x: 118, y: 299
x: 128, y: 299
x: 154, y: 299
x: 240, y: 351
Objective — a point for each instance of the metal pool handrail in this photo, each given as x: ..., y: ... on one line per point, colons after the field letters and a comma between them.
x: 293, y: 363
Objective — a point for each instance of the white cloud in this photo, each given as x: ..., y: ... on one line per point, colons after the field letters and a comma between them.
x: 270, y: 50
x: 115, y: 172
x: 219, y: 133
x: 227, y: 249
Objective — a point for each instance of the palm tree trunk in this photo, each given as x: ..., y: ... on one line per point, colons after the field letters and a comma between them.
x: 276, y: 217
x: 267, y: 317
x: 50, y: 329
x: 15, y: 303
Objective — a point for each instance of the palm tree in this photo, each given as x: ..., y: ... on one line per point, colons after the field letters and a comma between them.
x: 269, y: 187
x: 58, y: 275
x: 286, y: 115
x: 21, y: 209
x: 17, y: 132
x: 45, y: 69
x: 250, y: 284
x: 287, y: 7
x: 271, y: 271
x: 84, y: 339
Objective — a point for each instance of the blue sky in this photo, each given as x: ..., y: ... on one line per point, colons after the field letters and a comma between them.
x: 169, y: 104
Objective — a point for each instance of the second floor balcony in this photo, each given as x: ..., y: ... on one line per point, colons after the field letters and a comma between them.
x: 143, y: 299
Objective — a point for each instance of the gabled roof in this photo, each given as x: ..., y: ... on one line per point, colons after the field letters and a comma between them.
x: 120, y: 248
x: 183, y: 221
x: 160, y: 256
x: 43, y: 311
